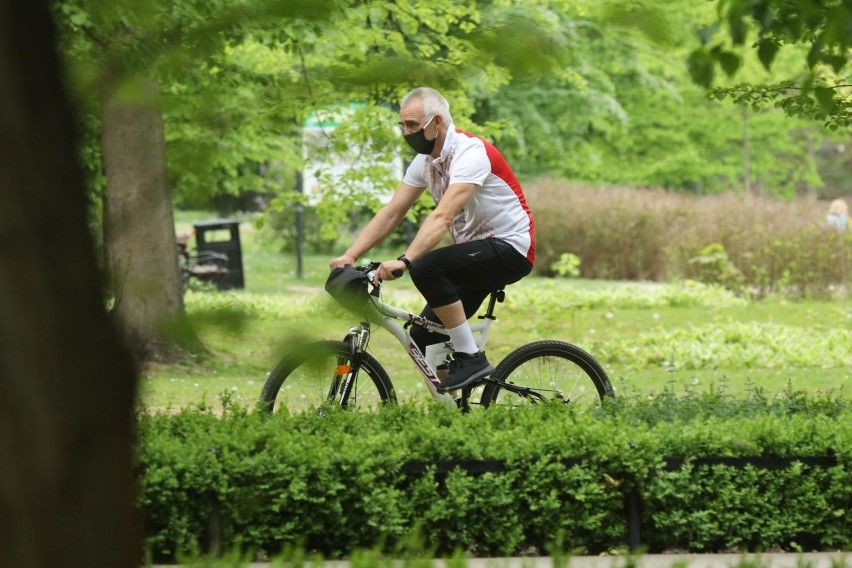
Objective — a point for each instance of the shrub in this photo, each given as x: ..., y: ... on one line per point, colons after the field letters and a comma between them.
x: 568, y: 265
x: 713, y: 266
x: 338, y: 483
x: 748, y: 242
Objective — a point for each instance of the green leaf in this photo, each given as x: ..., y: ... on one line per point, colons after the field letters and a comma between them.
x: 762, y: 13
x: 738, y: 27
x: 79, y: 19
x: 730, y: 62
x: 815, y: 53
x: 766, y: 51
x: 837, y: 62
x: 825, y: 98
x: 700, y: 65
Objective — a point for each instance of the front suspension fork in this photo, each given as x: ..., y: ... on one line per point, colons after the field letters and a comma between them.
x: 357, y: 339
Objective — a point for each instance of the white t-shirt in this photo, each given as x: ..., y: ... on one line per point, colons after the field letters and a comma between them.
x: 497, y: 209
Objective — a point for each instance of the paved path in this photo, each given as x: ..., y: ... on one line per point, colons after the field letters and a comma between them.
x: 767, y: 560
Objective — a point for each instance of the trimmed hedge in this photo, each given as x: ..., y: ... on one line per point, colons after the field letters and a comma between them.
x: 344, y: 482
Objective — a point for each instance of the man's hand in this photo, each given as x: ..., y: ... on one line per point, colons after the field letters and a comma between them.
x: 386, y: 270
x: 345, y: 260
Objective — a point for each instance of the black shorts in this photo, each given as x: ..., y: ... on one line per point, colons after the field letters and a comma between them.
x: 467, y: 272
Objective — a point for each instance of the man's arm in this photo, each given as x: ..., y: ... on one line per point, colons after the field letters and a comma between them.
x: 436, y: 225
x: 382, y: 224
x: 433, y: 229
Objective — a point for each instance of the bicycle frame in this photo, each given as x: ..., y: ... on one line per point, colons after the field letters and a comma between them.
x: 388, y: 317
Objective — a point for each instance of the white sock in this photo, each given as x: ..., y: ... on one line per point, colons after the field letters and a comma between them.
x: 462, y: 339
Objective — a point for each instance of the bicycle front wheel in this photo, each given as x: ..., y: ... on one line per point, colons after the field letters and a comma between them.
x: 548, y: 371
x: 320, y: 376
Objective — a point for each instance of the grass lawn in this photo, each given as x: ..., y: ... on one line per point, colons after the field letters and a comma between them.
x: 649, y: 337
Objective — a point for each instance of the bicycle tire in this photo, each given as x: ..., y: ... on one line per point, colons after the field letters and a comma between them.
x: 310, y: 383
x: 545, y: 371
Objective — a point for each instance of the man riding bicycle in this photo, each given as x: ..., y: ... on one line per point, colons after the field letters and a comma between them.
x: 480, y: 202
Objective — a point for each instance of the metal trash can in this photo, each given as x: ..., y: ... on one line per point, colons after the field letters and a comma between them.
x: 222, y: 236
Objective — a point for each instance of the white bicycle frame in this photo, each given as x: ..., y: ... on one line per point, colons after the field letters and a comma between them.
x: 388, y: 318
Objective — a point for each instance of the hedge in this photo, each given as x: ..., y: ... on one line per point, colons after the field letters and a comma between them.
x: 500, y: 482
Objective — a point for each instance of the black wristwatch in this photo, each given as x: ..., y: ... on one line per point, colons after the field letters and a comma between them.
x: 405, y: 260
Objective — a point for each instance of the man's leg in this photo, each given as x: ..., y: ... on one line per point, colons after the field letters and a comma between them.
x: 471, y: 301
x: 443, y: 274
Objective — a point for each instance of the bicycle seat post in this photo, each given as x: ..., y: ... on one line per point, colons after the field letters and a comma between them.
x: 496, y: 296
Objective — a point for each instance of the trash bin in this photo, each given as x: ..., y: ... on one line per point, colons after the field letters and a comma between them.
x: 222, y: 236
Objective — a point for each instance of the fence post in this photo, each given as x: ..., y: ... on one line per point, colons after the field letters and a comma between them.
x: 634, y: 519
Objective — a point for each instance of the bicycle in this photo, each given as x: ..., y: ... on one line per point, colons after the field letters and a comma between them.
x: 323, y: 375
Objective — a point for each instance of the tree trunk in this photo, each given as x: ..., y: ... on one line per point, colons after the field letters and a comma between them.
x: 139, y: 223
x: 66, y: 383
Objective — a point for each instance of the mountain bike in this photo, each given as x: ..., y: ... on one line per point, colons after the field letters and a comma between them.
x: 322, y: 375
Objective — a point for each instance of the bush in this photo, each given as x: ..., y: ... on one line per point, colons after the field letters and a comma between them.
x: 554, y: 481
x: 754, y: 244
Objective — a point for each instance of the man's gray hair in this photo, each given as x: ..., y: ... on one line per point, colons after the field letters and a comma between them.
x: 433, y: 102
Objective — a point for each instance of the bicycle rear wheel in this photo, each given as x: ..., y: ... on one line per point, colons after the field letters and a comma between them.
x: 548, y: 371
x: 319, y: 376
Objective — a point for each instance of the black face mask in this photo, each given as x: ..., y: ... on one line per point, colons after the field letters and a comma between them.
x: 417, y: 140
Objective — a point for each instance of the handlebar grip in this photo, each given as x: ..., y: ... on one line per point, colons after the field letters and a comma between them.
x: 397, y: 273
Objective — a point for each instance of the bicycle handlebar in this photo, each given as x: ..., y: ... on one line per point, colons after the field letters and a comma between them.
x: 396, y: 273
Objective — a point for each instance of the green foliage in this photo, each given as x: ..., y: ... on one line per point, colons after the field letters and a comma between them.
x: 581, y: 90
x: 224, y: 124
x: 713, y: 266
x: 724, y: 515
x: 281, y: 226
x: 729, y: 345
x: 355, y: 165
x: 567, y: 265
x: 262, y: 485
x: 820, y: 92
x: 544, y: 296
x: 260, y: 67
x: 671, y: 145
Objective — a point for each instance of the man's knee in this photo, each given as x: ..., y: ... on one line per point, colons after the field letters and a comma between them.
x: 423, y: 337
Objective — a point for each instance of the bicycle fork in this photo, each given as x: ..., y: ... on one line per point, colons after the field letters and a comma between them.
x: 346, y: 372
